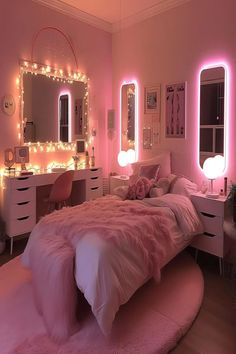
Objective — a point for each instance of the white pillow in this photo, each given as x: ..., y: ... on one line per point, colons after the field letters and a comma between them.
x: 160, y: 188
x: 156, y: 192
x: 163, y: 183
x: 162, y: 159
x: 121, y: 191
x: 183, y: 186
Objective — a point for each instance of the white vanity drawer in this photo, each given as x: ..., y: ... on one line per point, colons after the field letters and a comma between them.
x: 212, y: 224
x: 22, y: 209
x: 20, y: 225
x: 95, y: 192
x: 95, y: 172
x: 22, y: 182
x: 211, y: 244
x: 23, y: 194
x: 95, y: 182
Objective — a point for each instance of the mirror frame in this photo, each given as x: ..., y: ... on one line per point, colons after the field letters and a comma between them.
x: 53, y: 73
x: 136, y: 118
x: 226, y: 110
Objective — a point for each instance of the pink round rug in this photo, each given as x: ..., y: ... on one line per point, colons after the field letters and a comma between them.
x: 153, y: 321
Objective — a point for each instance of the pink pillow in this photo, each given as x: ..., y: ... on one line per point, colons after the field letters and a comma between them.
x: 140, y: 189
x: 149, y: 171
x: 163, y: 159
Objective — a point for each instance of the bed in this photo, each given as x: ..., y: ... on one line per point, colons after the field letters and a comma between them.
x: 106, y: 248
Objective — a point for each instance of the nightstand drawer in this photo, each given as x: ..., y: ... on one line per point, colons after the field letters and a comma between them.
x: 207, y: 205
x: 212, y: 224
x: 211, y: 244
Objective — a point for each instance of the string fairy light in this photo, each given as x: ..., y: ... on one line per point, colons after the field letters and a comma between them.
x: 58, y: 74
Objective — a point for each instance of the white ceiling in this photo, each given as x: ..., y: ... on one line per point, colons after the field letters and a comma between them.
x: 111, y: 15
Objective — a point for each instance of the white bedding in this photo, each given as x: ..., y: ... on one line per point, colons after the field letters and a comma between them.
x: 108, y: 274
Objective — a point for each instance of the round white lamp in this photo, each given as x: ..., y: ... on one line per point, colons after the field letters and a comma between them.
x: 123, y: 158
x: 131, y: 155
x: 213, y: 168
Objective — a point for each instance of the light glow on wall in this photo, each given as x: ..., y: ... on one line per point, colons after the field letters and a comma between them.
x: 57, y: 74
x: 66, y: 93
x: 136, y: 143
x: 210, y: 65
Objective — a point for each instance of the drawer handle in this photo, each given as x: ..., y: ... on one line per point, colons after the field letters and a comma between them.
x: 22, y: 178
x: 209, y: 234
x: 23, y: 203
x: 94, y: 177
x: 208, y: 215
x: 94, y: 188
x: 93, y: 169
x: 23, y: 218
x: 22, y: 189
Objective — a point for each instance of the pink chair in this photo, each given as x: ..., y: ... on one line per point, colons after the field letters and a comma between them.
x: 61, y: 191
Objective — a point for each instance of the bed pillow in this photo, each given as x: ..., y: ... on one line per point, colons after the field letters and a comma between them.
x: 161, y: 187
x: 121, y: 191
x: 156, y: 192
x: 149, y: 171
x: 183, y: 186
x: 140, y: 189
x: 162, y: 159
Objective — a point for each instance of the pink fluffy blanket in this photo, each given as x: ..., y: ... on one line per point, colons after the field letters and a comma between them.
x: 52, y: 247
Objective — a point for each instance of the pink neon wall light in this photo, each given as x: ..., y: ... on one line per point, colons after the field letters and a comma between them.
x: 135, y: 83
x: 210, y: 65
x: 62, y: 93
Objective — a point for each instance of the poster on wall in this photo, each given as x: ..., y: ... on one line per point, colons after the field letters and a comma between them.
x: 175, y: 110
x: 152, y: 103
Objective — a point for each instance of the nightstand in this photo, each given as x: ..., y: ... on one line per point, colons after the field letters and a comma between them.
x: 212, y: 214
x: 119, y: 180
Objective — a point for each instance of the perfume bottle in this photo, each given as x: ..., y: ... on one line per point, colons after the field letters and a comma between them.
x: 92, y: 160
x: 87, y: 159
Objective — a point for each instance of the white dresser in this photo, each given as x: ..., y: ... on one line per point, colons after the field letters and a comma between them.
x: 19, y: 202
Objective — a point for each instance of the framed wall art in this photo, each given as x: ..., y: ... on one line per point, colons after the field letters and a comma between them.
x: 175, y: 110
x: 152, y: 97
x: 21, y: 154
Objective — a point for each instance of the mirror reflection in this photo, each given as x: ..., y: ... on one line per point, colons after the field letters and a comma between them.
x: 212, y: 113
x: 128, y: 117
x: 53, y: 110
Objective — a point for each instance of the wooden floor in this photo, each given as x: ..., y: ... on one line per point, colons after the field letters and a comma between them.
x: 214, y: 330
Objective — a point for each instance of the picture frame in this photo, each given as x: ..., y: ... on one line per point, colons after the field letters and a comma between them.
x: 152, y: 100
x: 175, y: 117
x: 21, y: 154
x: 80, y: 146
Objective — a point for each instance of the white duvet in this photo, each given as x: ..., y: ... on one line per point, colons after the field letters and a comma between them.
x: 107, y: 273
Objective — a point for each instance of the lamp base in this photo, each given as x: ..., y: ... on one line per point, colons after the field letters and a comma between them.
x: 212, y: 195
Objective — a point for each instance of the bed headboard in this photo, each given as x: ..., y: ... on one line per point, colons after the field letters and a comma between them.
x: 163, y: 159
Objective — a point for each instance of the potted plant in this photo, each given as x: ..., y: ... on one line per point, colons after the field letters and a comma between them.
x: 232, y: 200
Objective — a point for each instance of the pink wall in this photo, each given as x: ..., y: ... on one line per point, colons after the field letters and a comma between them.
x: 20, y: 21
x: 170, y: 48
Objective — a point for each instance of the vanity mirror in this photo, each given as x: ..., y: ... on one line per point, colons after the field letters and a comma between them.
x: 54, y: 104
x: 129, y: 117
x: 213, y: 112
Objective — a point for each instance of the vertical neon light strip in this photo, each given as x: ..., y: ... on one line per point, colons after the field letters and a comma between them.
x: 136, y: 119
x: 69, y: 115
x: 226, y: 108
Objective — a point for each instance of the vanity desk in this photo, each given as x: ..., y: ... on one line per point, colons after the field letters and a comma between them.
x: 22, y: 197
